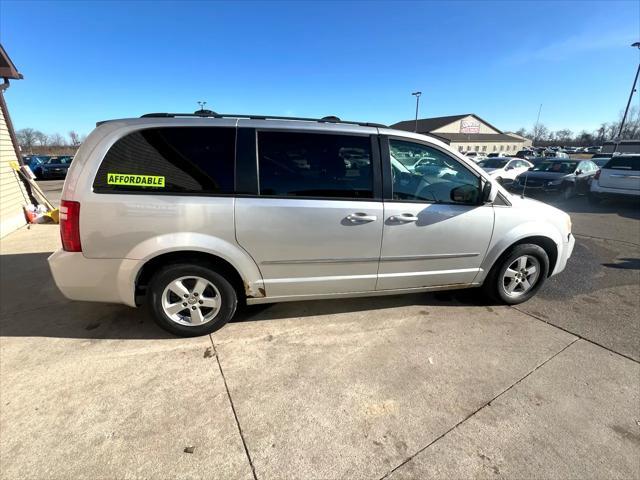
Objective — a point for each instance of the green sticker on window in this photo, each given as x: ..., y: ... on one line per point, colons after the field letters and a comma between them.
x: 135, y: 180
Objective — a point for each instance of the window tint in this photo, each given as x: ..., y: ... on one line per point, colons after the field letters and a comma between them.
x: 628, y: 162
x: 427, y: 174
x: 196, y: 160
x: 315, y: 165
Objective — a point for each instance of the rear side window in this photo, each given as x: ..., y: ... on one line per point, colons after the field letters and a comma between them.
x: 295, y: 164
x: 631, y: 162
x: 196, y: 160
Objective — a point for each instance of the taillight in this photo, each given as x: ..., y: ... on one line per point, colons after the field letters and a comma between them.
x: 70, y: 226
x: 597, y: 175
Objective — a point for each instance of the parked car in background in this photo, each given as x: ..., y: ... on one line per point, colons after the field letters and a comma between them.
x: 505, y: 170
x: 196, y: 215
x: 568, y: 177
x: 34, y: 162
x: 592, y: 149
x: 527, y: 154
x: 555, y: 154
x: 497, y: 155
x: 475, y: 156
x: 55, y: 167
x: 601, y: 159
x: 618, y: 178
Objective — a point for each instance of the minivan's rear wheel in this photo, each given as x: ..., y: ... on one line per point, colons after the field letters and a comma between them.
x: 191, y: 300
x: 518, y: 275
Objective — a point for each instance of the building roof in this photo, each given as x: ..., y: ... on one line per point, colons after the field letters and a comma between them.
x: 513, y: 134
x: 476, y: 137
x: 427, y: 125
x: 7, y: 68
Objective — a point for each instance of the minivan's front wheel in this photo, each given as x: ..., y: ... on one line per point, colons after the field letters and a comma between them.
x: 518, y: 275
x: 191, y: 300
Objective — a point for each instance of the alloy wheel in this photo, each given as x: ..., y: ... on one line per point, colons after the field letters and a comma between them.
x: 521, y: 276
x: 191, y: 301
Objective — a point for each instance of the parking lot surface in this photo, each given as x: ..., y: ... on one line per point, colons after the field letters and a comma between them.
x: 417, y: 386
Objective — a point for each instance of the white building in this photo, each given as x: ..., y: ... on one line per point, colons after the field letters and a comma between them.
x: 467, y: 132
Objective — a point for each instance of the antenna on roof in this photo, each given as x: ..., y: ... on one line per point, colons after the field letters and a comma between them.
x: 202, y: 112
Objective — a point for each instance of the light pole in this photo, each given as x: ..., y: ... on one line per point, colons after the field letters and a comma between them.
x: 417, y: 95
x: 626, y: 110
x: 535, y: 128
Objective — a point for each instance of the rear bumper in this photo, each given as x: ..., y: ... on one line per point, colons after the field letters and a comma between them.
x: 565, y: 254
x: 94, y: 280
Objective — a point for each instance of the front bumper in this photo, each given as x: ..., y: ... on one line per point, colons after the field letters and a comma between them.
x: 565, y: 254
x: 543, y: 188
x: 92, y: 279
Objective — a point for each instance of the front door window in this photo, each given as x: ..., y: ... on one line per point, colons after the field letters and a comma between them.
x: 426, y: 174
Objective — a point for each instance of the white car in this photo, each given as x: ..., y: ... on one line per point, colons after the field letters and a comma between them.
x: 505, y: 168
x: 475, y: 156
x: 618, y: 178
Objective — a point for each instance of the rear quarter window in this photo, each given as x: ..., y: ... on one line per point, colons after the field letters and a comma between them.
x: 179, y: 160
x: 624, y: 163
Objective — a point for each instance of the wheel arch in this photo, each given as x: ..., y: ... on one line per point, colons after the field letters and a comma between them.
x: 548, y: 244
x: 215, y: 262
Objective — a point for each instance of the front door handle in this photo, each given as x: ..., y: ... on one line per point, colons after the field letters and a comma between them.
x: 404, y: 218
x: 361, y: 217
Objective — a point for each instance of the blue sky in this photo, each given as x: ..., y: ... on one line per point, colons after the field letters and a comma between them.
x: 90, y: 61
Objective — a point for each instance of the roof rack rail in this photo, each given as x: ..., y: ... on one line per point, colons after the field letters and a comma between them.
x: 210, y: 114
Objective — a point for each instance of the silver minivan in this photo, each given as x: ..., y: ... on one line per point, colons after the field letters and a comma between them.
x: 196, y: 213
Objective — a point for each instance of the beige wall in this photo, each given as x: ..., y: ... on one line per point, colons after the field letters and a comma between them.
x: 488, y: 147
x: 455, y: 126
x: 12, y: 193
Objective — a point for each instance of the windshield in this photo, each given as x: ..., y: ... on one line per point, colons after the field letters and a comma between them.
x: 56, y: 160
x: 559, y: 167
x: 493, y: 163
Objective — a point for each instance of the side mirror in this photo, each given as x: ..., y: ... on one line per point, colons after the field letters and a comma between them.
x: 486, y: 192
x: 466, y: 194
x: 509, y: 167
x: 578, y: 172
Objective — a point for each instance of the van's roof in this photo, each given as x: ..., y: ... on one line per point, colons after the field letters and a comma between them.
x: 211, y: 114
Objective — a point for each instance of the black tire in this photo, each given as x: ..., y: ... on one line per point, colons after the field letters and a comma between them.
x: 594, y: 199
x: 160, y: 281
x: 494, y: 283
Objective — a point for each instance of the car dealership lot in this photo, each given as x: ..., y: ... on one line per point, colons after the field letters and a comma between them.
x: 430, y: 385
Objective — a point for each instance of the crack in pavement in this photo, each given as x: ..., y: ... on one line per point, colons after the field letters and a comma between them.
x: 386, y: 475
x: 233, y: 409
x: 606, y: 239
x: 575, y: 334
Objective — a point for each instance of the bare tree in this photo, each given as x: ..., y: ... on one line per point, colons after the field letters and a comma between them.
x: 57, y: 140
x: 540, y: 132
x: 564, y: 136
x: 26, y: 138
x: 41, y: 138
x: 74, y: 137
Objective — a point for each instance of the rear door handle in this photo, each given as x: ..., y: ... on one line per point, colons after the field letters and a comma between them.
x: 404, y: 218
x: 361, y: 217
